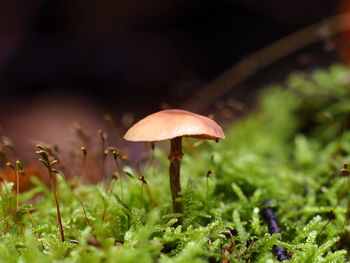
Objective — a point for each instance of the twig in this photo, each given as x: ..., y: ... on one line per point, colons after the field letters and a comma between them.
x: 265, y: 57
x: 229, y: 250
x: 271, y: 220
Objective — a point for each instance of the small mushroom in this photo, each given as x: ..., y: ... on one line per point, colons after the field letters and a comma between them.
x: 172, y: 125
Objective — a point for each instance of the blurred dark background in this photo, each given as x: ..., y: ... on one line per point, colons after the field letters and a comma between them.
x: 74, y: 60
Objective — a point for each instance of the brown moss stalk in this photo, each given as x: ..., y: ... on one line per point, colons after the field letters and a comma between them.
x: 53, y: 181
x: 45, y: 160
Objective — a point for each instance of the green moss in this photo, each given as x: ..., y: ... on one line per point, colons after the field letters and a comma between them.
x: 289, y: 152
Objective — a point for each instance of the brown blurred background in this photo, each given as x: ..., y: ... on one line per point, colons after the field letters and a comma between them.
x: 66, y: 61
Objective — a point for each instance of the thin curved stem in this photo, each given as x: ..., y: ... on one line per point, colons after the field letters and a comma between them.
x: 17, y: 191
x: 54, y: 190
x: 77, y: 198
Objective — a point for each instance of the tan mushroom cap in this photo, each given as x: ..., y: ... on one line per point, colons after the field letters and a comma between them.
x: 169, y: 124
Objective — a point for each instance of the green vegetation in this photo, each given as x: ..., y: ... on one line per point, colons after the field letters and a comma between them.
x: 290, y: 151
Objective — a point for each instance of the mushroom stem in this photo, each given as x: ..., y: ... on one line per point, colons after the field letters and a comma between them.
x: 174, y: 172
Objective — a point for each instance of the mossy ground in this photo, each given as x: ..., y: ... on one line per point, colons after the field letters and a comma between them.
x: 289, y: 152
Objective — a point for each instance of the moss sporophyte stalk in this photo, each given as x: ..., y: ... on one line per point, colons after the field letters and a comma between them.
x: 290, y: 152
x: 49, y: 164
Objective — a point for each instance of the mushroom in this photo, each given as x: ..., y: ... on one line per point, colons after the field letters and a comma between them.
x: 172, y: 125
